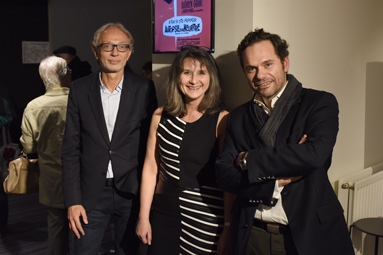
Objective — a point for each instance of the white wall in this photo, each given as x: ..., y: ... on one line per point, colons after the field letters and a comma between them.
x: 233, y: 21
x: 374, y: 113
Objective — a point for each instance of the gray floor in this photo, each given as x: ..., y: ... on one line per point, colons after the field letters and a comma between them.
x: 27, y: 228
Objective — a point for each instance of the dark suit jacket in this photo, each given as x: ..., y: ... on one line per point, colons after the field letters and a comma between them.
x: 86, y: 146
x: 315, y: 215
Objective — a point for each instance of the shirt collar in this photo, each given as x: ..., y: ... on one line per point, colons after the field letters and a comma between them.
x: 104, y: 89
x: 57, y: 91
x: 273, y: 101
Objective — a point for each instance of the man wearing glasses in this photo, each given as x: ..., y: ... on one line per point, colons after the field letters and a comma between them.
x: 108, y: 118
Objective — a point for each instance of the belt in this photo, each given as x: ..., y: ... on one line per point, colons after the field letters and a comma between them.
x: 109, y: 182
x: 273, y: 228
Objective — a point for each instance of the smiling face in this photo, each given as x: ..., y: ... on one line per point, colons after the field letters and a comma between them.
x: 265, y: 72
x: 114, y: 61
x: 194, y: 80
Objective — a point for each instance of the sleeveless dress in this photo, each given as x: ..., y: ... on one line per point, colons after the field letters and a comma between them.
x: 187, y: 210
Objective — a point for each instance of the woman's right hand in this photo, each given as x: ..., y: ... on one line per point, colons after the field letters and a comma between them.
x: 144, y: 231
x: 225, y: 242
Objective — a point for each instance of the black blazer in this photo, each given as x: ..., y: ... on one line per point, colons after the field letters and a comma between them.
x: 314, y: 213
x: 86, y: 147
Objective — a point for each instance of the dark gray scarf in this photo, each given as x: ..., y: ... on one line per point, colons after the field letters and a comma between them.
x: 291, y: 93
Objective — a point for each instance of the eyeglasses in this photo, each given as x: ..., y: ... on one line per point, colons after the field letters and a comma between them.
x: 108, y: 47
x: 188, y: 47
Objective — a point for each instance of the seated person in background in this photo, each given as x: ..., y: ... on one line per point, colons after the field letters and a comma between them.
x: 79, y: 68
x: 42, y: 129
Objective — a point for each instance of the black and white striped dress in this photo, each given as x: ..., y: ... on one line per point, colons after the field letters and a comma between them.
x: 187, y: 215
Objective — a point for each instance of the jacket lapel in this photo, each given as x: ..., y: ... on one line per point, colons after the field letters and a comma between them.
x: 126, y: 105
x: 286, y: 126
x: 253, y: 137
x: 96, y: 105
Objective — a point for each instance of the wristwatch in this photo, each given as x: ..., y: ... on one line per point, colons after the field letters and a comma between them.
x: 243, y: 162
x: 227, y: 224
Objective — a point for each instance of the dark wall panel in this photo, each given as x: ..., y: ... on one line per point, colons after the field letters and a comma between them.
x: 21, y: 21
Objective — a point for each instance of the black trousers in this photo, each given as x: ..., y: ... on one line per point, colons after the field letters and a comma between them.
x: 124, y: 208
x: 262, y: 242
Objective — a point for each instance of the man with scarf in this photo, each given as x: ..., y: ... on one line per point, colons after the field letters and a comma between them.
x: 276, y: 155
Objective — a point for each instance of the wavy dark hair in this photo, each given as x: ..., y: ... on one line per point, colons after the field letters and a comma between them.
x: 211, y: 102
x: 258, y: 35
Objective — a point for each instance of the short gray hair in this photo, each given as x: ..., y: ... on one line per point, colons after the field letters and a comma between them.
x: 53, y: 71
x: 97, y: 34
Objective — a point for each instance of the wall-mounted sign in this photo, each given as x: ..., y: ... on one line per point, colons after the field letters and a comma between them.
x: 182, y: 22
x: 34, y: 52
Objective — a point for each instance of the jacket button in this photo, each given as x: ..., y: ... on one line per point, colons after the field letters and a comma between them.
x: 111, y: 152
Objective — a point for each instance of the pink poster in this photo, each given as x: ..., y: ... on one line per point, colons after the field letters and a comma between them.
x: 182, y: 22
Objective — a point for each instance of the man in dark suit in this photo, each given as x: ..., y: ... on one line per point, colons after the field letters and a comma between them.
x: 104, y: 144
x: 276, y: 155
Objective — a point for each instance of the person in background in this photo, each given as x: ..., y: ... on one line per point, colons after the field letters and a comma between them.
x: 42, y: 129
x: 187, y: 213
x: 79, y: 68
x: 277, y: 152
x: 146, y: 70
x: 104, y: 145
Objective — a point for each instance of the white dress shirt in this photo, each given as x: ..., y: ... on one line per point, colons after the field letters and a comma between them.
x: 110, y: 104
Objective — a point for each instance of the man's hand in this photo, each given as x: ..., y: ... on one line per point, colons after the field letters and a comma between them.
x: 303, y: 139
x: 74, y: 214
x: 284, y: 181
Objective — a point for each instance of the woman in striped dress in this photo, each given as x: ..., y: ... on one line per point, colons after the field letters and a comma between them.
x: 186, y: 213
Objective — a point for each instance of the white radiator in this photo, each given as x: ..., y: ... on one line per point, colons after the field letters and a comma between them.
x: 368, y: 197
x: 361, y: 194
x: 346, y: 192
